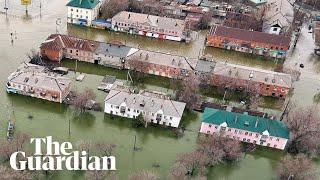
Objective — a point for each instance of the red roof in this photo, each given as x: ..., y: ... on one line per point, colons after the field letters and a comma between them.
x: 250, y: 36
x: 59, y: 41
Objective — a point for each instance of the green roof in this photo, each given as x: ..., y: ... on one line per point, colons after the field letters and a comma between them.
x: 86, y: 4
x: 246, y: 122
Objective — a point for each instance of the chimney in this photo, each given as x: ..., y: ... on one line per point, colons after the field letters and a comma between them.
x: 172, y: 61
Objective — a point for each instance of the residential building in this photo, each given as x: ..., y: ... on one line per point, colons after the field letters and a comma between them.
x: 161, y: 64
x: 245, y: 128
x: 113, y: 54
x: 83, y: 12
x: 254, y: 42
x: 243, y: 78
x: 37, y: 81
x: 248, y: 21
x: 155, y: 108
x: 149, y: 25
x: 58, y: 46
x: 278, y: 16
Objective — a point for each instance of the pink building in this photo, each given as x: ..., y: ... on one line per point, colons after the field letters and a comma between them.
x: 246, y: 128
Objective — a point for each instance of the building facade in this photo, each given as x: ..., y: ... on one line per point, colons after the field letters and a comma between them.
x: 83, y: 12
x: 161, y: 64
x: 253, y: 42
x: 149, y: 25
x: 58, y: 46
x: 245, y: 128
x: 36, y: 81
x: 248, y: 79
x: 155, y: 108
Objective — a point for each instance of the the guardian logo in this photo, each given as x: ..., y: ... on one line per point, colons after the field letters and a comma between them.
x: 59, y: 157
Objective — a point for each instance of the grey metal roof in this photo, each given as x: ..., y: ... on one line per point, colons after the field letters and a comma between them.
x: 114, y: 50
x: 151, y: 103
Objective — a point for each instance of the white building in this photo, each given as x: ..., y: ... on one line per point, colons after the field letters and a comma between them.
x: 83, y: 12
x: 156, y: 108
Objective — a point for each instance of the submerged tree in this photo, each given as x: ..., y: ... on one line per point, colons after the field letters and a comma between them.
x: 34, y: 57
x: 298, y: 167
x: 82, y: 99
x: 144, y: 175
x: 304, y: 126
x: 105, y: 149
x: 192, y: 162
x: 219, y: 148
x: 189, y: 93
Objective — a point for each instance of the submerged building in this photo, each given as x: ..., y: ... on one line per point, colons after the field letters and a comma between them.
x: 245, y: 128
x: 149, y: 25
x: 36, y: 81
x: 246, y: 41
x: 155, y: 108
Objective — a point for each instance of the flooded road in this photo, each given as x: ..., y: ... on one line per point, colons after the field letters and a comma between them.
x: 158, y: 145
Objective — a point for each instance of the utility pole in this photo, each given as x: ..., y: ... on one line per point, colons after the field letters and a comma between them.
x: 6, y: 8
x: 135, y: 141
x: 40, y: 7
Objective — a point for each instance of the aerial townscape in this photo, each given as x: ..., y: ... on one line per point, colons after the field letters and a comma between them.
x: 173, y: 89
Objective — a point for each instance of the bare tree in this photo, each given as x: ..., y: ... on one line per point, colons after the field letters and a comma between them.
x: 112, y: 7
x: 7, y: 148
x: 9, y: 174
x: 101, y: 175
x: 298, y: 167
x: 304, y: 125
x: 193, y: 161
x: 34, y: 57
x: 105, y: 149
x: 190, y: 91
x: 82, y: 99
x: 206, y: 20
x: 316, y: 98
x: 144, y: 175
x: 219, y: 148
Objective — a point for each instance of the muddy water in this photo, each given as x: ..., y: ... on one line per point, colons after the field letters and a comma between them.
x: 158, y: 145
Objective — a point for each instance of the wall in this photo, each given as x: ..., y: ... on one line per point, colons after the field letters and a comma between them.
x: 245, y: 136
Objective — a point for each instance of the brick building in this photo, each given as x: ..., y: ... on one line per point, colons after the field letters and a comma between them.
x: 243, y: 78
x: 35, y: 81
x: 160, y: 64
x: 254, y: 42
x: 58, y: 46
x: 149, y: 25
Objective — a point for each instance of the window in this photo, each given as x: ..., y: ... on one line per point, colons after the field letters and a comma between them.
x: 229, y: 129
x: 275, y: 146
x: 210, y: 125
x: 278, y: 139
x: 71, y: 9
x: 216, y: 127
x: 246, y: 133
x: 244, y: 139
x: 268, y: 144
x: 250, y: 134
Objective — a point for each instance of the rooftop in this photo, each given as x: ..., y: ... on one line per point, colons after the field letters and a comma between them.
x: 35, y: 76
x: 246, y: 122
x: 164, y: 59
x: 146, y: 103
x: 250, y: 36
x: 59, y: 41
x: 245, y: 72
x: 120, y: 51
x: 86, y: 4
x: 150, y: 20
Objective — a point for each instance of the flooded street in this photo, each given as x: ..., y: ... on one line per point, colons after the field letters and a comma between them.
x: 158, y: 145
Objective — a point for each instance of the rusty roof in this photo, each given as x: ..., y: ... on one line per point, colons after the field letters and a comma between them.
x: 250, y: 36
